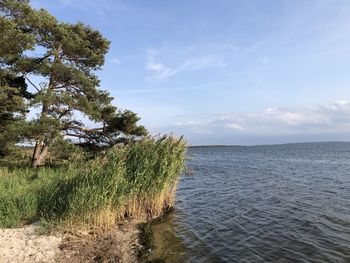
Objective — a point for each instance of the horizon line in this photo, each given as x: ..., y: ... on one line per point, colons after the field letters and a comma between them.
x: 268, y: 144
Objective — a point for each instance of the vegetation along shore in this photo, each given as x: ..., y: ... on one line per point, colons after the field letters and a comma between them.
x: 69, y: 192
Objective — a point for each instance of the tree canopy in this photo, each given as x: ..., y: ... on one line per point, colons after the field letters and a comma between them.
x: 62, y: 73
x: 13, y: 89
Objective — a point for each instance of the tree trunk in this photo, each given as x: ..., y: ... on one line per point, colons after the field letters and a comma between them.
x: 39, y: 154
x: 40, y: 149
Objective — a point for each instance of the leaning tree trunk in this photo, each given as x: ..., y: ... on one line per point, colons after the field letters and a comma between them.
x: 39, y: 154
x: 40, y: 149
x: 41, y: 146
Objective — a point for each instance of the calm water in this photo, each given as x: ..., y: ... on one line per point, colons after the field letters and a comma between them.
x: 282, y: 203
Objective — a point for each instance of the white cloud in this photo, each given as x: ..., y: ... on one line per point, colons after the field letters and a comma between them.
x: 159, y: 69
x: 234, y: 126
x: 203, y: 62
x: 331, y: 118
x: 116, y: 61
x: 191, y: 64
x: 271, y: 110
x: 186, y: 59
x: 193, y: 126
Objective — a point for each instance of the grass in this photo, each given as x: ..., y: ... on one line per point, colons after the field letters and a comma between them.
x: 135, y: 182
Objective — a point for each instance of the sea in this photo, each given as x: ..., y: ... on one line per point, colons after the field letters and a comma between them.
x: 273, y: 203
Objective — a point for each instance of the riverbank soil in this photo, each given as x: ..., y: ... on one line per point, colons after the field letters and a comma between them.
x: 119, y: 245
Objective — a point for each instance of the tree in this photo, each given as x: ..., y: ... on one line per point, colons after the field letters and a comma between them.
x: 12, y: 112
x: 70, y: 54
x: 13, y: 89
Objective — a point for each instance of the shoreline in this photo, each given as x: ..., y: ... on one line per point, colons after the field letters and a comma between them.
x: 94, y: 205
x: 127, y: 242
x: 26, y: 245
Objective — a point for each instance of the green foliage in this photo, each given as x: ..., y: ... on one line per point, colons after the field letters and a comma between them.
x: 13, y: 90
x: 132, y: 182
x: 13, y: 41
x: 65, y: 58
x: 64, y: 151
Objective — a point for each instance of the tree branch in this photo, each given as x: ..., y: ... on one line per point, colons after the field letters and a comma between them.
x: 43, y: 58
x: 70, y: 126
x: 31, y: 83
x: 76, y: 135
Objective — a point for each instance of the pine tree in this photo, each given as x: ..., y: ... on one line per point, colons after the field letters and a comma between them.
x: 13, y: 89
x: 70, y: 55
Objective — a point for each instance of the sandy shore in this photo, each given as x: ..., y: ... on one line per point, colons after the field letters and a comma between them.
x: 25, y: 245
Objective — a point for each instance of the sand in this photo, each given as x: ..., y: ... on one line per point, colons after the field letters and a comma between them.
x: 25, y: 245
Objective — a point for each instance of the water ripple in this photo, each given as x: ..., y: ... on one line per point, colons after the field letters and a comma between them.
x: 286, y: 203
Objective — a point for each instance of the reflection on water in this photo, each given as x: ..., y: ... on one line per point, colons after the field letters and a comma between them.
x: 285, y: 203
x: 164, y: 237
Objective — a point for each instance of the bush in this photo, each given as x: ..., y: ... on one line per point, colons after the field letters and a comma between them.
x: 64, y: 151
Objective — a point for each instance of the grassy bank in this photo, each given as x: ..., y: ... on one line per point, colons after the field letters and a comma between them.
x: 135, y: 182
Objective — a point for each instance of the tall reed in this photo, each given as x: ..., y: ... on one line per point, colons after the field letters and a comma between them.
x: 134, y: 182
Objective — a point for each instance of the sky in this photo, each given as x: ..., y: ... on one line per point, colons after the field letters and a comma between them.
x: 225, y: 72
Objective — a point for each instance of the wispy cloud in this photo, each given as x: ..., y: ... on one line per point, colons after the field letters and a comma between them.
x: 103, y: 9
x: 187, y: 59
x: 193, y: 126
x: 162, y: 90
x: 320, y: 119
x: 116, y: 61
x: 159, y: 69
x: 97, y: 5
x: 203, y: 62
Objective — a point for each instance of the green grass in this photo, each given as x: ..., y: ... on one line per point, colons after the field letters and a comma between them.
x: 19, y: 194
x: 134, y: 182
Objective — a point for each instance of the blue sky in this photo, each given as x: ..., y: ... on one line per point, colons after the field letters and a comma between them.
x: 226, y: 72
